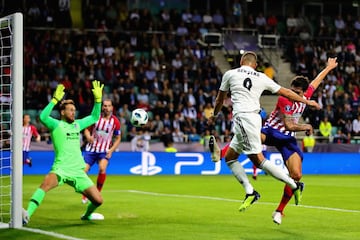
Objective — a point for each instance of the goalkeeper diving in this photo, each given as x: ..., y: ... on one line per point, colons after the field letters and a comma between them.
x: 69, y: 165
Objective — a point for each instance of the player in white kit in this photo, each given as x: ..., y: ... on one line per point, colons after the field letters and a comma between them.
x: 246, y: 86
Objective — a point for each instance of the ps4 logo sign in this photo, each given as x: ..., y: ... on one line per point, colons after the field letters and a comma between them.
x: 199, y: 160
x: 192, y: 162
x: 147, y: 166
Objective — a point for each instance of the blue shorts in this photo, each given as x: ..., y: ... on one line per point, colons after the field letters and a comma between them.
x: 286, y: 144
x: 93, y: 157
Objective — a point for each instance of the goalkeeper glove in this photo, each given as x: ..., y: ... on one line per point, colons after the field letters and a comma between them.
x: 58, y: 94
x: 97, y: 90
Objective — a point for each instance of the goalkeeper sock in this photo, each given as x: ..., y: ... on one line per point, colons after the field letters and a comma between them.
x: 35, y: 201
x: 100, y: 181
x: 277, y: 173
x: 240, y: 174
x: 90, y: 209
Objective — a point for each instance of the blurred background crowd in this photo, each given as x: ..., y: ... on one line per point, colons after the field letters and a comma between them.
x: 152, y: 58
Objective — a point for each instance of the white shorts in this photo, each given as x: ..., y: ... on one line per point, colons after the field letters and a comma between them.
x: 247, y: 130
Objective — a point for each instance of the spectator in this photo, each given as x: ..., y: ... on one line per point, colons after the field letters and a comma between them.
x: 182, y: 30
x: 357, y: 24
x: 269, y: 70
x: 189, y: 111
x: 165, y: 19
x: 339, y: 23
x: 193, y: 136
x: 141, y: 141
x: 157, y: 127
x: 348, y: 128
x: 218, y: 19
x: 237, y: 13
x: 292, y: 25
x: 177, y: 135
x: 271, y: 23
x: 34, y: 15
x: 125, y: 112
x: 356, y: 126
x: 340, y: 137
x: 186, y: 16
x: 169, y: 147
x: 111, y: 15
x: 177, y: 62
x: 250, y: 23
x: 208, y: 110
x: 308, y: 143
x: 143, y: 97
x: 260, y: 22
x: 325, y: 128
x: 167, y: 121
x: 207, y: 19
x: 196, y: 17
x: 63, y: 19
x: 205, y: 140
x: 134, y: 19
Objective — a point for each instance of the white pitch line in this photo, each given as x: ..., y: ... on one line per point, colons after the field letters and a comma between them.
x: 233, y: 200
x: 53, y: 234
x: 62, y: 236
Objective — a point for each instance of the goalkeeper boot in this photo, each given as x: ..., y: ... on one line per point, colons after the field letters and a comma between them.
x: 25, y: 217
x: 93, y: 216
x: 214, y: 149
x: 298, y: 192
x: 249, y: 200
x: 277, y: 217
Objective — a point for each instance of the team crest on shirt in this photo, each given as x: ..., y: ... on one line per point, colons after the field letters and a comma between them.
x: 76, y: 126
x: 287, y: 108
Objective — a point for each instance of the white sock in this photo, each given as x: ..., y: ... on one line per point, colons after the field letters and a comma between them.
x: 277, y: 173
x: 240, y: 174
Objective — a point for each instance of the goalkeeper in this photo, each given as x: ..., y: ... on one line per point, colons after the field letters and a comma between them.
x: 69, y: 165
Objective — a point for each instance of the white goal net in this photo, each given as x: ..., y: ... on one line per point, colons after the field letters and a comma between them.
x: 11, y: 105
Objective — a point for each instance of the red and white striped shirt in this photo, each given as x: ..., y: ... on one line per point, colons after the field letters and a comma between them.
x: 103, y: 132
x: 28, y: 132
x: 287, y: 107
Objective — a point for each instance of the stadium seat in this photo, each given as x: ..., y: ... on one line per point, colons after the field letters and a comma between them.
x: 55, y: 114
x: 150, y: 115
x: 334, y: 130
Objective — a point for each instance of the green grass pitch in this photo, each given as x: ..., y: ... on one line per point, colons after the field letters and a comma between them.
x: 196, y: 207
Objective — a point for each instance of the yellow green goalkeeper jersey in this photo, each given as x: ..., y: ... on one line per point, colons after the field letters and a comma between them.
x: 66, y: 139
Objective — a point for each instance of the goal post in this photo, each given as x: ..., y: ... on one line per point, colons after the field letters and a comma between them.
x: 11, y: 107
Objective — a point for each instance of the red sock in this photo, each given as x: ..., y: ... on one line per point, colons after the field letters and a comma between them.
x: 223, y: 150
x: 285, y: 198
x: 254, y: 170
x: 100, y: 181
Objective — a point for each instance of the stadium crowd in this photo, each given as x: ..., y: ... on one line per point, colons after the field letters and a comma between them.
x: 155, y: 62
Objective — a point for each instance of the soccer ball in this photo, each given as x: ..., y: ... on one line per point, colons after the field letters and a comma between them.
x: 139, y: 117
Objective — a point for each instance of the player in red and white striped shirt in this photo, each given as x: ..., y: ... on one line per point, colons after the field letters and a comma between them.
x: 279, y: 131
x: 103, y: 138
x: 280, y: 128
x: 28, y: 131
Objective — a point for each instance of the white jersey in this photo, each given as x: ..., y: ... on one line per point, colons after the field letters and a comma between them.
x: 246, y: 86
